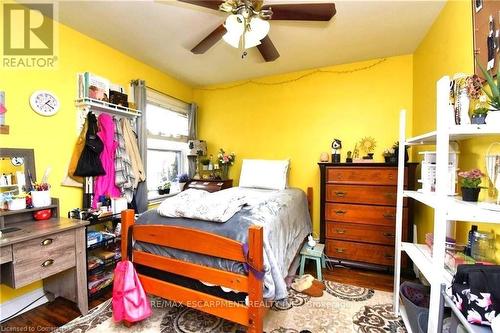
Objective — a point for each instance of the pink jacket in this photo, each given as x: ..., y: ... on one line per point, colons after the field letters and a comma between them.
x: 105, y: 185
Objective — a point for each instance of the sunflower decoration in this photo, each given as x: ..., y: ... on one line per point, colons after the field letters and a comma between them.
x: 367, y: 145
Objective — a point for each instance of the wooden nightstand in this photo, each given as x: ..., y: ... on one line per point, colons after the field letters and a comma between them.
x: 209, y: 185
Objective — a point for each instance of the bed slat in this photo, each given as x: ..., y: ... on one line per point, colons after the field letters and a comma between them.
x: 208, y: 274
x: 190, y: 240
x: 216, y: 306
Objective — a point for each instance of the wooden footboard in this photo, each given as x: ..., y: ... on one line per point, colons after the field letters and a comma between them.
x: 191, y: 240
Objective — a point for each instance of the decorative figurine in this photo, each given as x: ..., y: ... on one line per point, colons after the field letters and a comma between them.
x: 349, y: 157
x: 323, y: 157
x: 368, y: 145
x: 336, y: 146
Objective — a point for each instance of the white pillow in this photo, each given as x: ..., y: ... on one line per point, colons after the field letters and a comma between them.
x: 267, y: 174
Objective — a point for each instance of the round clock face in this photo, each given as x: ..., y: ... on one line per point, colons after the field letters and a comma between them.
x: 44, y: 103
x: 17, y: 161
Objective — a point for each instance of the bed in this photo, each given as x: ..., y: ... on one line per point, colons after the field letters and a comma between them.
x: 249, y: 254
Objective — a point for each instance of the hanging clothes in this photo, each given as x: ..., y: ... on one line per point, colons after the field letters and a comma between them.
x: 124, y: 177
x: 89, y: 164
x: 133, y: 151
x: 77, y: 152
x: 105, y: 184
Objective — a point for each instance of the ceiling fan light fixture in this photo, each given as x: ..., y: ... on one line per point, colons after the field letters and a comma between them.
x: 235, y: 24
x: 232, y: 39
x: 251, y: 40
x: 259, y: 27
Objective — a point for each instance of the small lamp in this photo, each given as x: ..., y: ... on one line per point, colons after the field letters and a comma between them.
x: 197, y: 148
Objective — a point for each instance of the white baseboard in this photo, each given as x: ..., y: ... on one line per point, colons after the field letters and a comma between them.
x: 10, y: 307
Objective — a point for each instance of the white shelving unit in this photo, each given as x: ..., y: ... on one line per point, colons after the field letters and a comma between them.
x: 446, y: 208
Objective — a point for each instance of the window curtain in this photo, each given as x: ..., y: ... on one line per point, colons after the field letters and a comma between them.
x: 192, y: 135
x: 139, y: 93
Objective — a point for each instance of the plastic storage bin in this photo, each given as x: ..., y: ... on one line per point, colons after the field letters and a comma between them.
x: 423, y: 320
x: 415, y: 298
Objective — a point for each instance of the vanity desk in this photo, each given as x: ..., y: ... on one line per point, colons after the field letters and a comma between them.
x: 52, y: 250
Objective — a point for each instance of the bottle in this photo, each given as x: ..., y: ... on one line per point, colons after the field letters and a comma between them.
x: 470, y: 238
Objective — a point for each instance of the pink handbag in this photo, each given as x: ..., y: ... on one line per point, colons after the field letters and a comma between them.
x: 130, y: 302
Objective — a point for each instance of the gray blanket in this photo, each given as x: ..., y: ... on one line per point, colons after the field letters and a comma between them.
x: 284, y: 216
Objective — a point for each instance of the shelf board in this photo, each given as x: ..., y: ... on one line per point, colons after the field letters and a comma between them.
x: 101, y: 106
x: 457, y: 133
x: 457, y: 209
x: 27, y: 210
x: 421, y: 256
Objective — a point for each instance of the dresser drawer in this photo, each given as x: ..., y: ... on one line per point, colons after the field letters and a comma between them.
x: 362, y: 233
x: 363, y: 176
x: 39, y: 247
x: 363, y: 214
x: 362, y: 194
x: 370, y: 253
x: 42, y: 265
x: 6, y: 254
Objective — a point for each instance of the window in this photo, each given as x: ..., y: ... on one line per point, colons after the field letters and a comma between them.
x: 167, y: 133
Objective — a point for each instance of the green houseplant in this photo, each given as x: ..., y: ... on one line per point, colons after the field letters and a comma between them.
x: 205, y: 162
x: 164, y: 188
x: 470, y: 184
x: 479, y: 115
x: 493, y: 94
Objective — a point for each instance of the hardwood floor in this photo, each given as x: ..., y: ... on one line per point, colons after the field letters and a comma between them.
x: 50, y: 316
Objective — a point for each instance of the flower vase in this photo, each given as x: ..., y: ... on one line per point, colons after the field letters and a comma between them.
x: 224, y: 171
x: 470, y: 194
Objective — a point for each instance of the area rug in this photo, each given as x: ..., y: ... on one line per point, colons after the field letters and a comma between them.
x: 342, y: 308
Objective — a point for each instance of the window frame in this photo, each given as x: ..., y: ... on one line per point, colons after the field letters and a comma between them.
x: 171, y: 104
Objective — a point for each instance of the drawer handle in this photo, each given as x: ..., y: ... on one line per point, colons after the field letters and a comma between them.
x: 47, y: 262
x: 388, y: 256
x: 340, y: 212
x: 389, y: 216
x: 389, y: 234
x: 340, y: 194
x: 339, y: 250
x: 340, y: 231
x: 46, y: 242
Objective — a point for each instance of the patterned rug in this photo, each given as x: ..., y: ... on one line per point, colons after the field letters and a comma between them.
x: 342, y: 308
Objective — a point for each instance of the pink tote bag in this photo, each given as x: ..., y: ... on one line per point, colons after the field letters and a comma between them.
x: 130, y: 302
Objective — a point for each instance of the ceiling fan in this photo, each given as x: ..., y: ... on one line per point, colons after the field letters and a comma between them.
x: 247, y: 25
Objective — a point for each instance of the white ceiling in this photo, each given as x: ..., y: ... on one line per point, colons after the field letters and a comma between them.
x: 162, y: 33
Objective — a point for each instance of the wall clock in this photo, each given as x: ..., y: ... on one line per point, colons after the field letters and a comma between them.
x: 17, y: 161
x: 44, y: 103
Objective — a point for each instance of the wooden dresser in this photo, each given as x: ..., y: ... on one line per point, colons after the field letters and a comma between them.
x: 52, y: 250
x: 209, y: 185
x: 358, y: 211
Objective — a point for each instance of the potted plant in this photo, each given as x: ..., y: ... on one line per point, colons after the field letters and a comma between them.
x: 164, y: 188
x: 470, y: 184
x: 493, y: 118
x: 479, y: 116
x: 390, y: 156
x: 205, y: 162
x: 225, y: 161
x: 182, y: 179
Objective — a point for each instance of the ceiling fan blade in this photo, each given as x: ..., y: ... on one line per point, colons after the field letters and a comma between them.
x: 210, y: 40
x: 303, y: 11
x: 212, y: 4
x: 268, y: 50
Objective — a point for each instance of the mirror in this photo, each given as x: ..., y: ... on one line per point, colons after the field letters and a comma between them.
x: 16, y: 167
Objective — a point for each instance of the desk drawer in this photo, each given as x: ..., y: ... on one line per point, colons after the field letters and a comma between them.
x: 362, y: 233
x: 42, y: 265
x: 362, y: 194
x: 370, y: 253
x: 38, y: 248
x: 6, y: 254
x: 363, y: 176
x: 378, y: 215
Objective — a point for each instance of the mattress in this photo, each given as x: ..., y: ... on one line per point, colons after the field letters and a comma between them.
x: 284, y: 217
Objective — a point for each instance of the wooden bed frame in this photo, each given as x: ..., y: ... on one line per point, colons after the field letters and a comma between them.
x: 192, y: 240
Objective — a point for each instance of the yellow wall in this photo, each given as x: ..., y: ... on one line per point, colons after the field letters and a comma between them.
x: 53, y: 137
x: 446, y: 49
x: 298, y: 120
